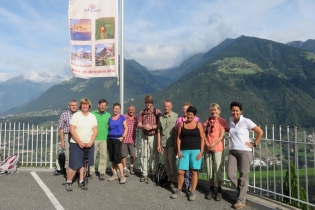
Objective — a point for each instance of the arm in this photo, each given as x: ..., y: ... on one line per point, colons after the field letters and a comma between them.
x: 75, y: 136
x: 94, y: 134
x: 202, y: 140
x: 259, y: 134
x: 178, y: 141
x: 62, y: 139
x: 222, y: 131
x: 159, y: 148
x: 125, y: 131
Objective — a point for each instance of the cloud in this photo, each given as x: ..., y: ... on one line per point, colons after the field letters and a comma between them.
x: 6, y: 76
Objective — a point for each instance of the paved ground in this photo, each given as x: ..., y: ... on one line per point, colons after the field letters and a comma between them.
x: 22, y: 191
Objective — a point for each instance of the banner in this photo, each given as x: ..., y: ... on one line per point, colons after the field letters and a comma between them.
x: 93, y: 26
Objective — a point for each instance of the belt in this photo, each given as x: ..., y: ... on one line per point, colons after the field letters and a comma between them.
x: 114, y: 137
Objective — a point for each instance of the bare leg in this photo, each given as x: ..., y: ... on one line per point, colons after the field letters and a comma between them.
x: 124, y: 162
x: 194, y: 179
x: 81, y: 171
x: 132, y: 160
x: 120, y: 167
x: 114, y: 168
x: 180, y: 179
x: 70, y: 174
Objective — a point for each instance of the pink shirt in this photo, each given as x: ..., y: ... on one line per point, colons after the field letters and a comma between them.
x: 214, y: 130
x: 182, y: 119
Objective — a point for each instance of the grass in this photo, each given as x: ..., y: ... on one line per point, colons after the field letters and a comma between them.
x: 237, y: 65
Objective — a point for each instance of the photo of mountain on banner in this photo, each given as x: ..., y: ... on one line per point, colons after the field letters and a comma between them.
x: 105, y: 28
x: 81, y: 55
x: 80, y: 29
x: 105, y: 54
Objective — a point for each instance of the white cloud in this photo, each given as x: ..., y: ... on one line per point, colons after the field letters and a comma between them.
x: 6, y: 76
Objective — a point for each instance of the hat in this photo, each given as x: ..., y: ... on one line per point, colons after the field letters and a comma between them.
x: 148, y: 99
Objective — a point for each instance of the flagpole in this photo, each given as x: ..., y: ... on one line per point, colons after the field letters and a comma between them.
x: 122, y: 56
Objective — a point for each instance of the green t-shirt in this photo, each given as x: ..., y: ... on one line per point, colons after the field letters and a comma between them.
x: 102, y: 124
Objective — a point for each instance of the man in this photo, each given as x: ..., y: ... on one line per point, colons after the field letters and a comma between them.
x: 64, y: 132
x: 100, y: 143
x: 166, y: 141
x: 128, y: 147
x: 148, y: 122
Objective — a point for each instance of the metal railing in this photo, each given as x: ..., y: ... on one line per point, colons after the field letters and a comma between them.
x: 270, y: 175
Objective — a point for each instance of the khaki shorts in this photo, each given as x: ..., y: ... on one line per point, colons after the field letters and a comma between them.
x: 128, y: 149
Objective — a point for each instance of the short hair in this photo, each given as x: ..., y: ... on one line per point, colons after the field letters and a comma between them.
x: 117, y: 104
x: 168, y: 101
x: 191, y: 109
x: 72, y: 101
x: 85, y: 101
x: 237, y: 104
x: 215, y: 105
x: 131, y: 106
x: 187, y: 104
x: 102, y: 101
x: 148, y: 99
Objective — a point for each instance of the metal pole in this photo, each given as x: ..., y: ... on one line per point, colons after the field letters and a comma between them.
x: 121, y: 78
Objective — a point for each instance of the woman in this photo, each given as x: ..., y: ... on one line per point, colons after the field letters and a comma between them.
x: 187, y: 176
x: 117, y: 131
x: 240, y: 155
x: 214, y: 149
x: 83, y: 129
x: 190, y: 145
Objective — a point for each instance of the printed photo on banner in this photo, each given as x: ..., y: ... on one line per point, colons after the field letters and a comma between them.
x: 80, y: 29
x: 105, y: 28
x: 105, y: 54
x: 81, y: 55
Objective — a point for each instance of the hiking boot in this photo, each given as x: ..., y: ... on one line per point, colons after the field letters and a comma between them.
x: 102, y: 176
x: 176, y: 194
x: 126, y: 172
x: 209, y: 196
x: 192, y: 195
x: 113, y: 178
x: 239, y: 205
x: 122, y: 180
x: 68, y: 186
x: 144, y: 179
x: 83, y: 186
x: 131, y: 170
x: 218, y: 196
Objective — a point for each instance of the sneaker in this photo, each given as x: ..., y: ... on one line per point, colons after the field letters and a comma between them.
x: 218, y: 196
x: 209, y: 196
x: 122, y: 180
x: 68, y: 186
x: 131, y: 170
x: 192, y: 195
x: 239, y: 205
x: 83, y: 186
x: 144, y: 179
x: 113, y: 178
x: 176, y: 194
x: 126, y: 172
x: 102, y: 176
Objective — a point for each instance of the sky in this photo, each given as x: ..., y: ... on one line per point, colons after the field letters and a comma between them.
x: 158, y: 34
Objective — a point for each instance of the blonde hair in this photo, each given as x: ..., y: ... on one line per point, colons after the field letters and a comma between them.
x: 85, y: 101
x: 187, y: 104
x: 215, y: 105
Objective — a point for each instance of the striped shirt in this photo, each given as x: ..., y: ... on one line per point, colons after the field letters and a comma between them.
x: 147, y: 117
x: 64, y: 121
x: 132, y: 123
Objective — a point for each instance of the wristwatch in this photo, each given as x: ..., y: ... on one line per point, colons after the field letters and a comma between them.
x: 254, y: 144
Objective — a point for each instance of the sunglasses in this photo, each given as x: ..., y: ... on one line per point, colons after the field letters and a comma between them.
x: 211, y: 128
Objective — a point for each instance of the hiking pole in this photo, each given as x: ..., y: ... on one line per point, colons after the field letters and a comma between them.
x: 86, y: 165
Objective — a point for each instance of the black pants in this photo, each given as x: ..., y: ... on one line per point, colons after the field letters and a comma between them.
x: 114, y: 150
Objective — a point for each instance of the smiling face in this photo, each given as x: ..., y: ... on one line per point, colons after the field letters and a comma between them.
x: 167, y: 107
x: 116, y: 110
x: 184, y: 110
x: 236, y: 112
x: 85, y: 107
x: 73, y: 106
x: 102, y: 107
x: 215, y: 112
x: 131, y: 111
x: 190, y: 116
x: 148, y: 105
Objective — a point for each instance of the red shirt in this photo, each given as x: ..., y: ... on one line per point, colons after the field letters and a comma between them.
x: 147, y: 117
x: 214, y: 130
x: 132, y: 123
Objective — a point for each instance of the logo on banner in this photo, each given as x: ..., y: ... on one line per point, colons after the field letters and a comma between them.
x: 91, y: 8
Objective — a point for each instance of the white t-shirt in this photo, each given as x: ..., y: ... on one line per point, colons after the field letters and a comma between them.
x: 240, y: 133
x: 83, y: 126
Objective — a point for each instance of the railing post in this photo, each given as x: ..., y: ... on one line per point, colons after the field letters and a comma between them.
x: 51, y: 145
x: 296, y: 154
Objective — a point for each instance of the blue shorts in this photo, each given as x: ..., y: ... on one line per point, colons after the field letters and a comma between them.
x: 188, y: 160
x: 76, y: 159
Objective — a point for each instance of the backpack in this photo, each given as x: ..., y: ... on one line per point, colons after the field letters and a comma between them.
x: 161, y: 175
x: 9, y: 165
x: 60, y: 164
x: 157, y: 116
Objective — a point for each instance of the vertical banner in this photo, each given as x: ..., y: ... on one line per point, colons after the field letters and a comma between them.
x: 93, y: 26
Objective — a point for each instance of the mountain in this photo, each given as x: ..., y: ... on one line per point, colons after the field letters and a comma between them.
x: 274, y: 81
x: 308, y: 45
x: 24, y: 88
x: 193, y: 62
x: 138, y: 80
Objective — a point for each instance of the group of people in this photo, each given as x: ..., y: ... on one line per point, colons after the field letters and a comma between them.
x: 174, y: 137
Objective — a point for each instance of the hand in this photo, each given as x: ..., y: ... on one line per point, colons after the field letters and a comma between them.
x: 121, y: 139
x: 249, y: 144
x: 211, y: 146
x: 81, y: 144
x: 62, y: 144
x: 208, y: 146
x: 89, y: 144
x: 199, y: 155
x: 179, y: 154
x: 159, y: 149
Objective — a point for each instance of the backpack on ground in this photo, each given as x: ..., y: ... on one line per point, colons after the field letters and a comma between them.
x: 9, y: 165
x: 161, y: 175
x: 60, y: 164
